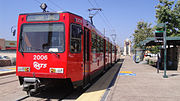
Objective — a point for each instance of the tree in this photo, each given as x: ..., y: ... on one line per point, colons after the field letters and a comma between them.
x: 169, y: 13
x: 143, y: 31
x: 176, y: 18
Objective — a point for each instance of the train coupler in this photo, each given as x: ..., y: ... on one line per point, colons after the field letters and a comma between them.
x: 30, y: 85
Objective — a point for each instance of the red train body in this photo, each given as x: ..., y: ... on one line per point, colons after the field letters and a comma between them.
x: 60, y: 46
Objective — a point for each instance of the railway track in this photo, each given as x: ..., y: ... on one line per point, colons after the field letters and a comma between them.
x: 11, y: 91
x: 8, y: 79
x: 53, y: 94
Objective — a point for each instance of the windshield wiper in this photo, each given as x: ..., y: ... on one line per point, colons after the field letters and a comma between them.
x: 22, y: 52
x: 21, y: 47
x: 55, y: 53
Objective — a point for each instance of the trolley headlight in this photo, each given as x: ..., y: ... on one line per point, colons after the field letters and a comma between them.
x: 56, y: 70
x: 24, y: 69
x: 43, y: 7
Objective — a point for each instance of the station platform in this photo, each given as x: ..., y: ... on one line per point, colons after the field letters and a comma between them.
x: 141, y: 82
x: 134, y: 82
x: 5, y: 70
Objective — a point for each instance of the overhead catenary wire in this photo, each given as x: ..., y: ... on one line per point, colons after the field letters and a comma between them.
x: 91, y: 3
x: 104, y: 15
x: 98, y: 13
x: 104, y: 18
x: 38, y: 1
x: 96, y: 3
x: 56, y: 5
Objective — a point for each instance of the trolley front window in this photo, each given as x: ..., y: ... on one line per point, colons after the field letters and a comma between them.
x: 42, y: 37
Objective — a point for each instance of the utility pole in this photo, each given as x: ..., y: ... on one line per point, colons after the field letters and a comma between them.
x: 92, y: 14
x: 104, y: 32
x: 113, y: 37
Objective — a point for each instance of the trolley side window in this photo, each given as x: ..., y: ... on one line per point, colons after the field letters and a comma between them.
x: 93, y: 40
x: 112, y: 48
x: 75, y: 38
x: 107, y: 47
x: 102, y: 45
x: 98, y: 44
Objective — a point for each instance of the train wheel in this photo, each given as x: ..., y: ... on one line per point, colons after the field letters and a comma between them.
x: 69, y: 85
x: 30, y: 93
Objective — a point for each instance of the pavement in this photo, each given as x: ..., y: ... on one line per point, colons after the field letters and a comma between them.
x: 5, y: 70
x: 141, y: 82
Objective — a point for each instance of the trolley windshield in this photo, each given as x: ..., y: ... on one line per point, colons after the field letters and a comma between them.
x: 42, y: 38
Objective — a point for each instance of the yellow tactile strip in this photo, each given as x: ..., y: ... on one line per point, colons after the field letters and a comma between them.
x: 12, y: 68
x: 7, y: 72
x: 126, y: 72
x: 97, y: 90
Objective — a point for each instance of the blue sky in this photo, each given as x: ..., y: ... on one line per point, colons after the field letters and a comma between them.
x: 122, y: 15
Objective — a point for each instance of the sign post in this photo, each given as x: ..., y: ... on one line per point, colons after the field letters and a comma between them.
x: 165, y: 76
x: 159, y: 34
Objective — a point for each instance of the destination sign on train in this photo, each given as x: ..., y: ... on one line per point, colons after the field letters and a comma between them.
x: 43, y: 17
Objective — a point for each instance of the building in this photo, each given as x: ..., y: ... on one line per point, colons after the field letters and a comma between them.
x: 7, y: 44
x: 2, y: 44
x: 8, y: 49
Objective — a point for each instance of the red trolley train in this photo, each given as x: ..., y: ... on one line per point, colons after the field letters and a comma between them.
x: 60, y: 46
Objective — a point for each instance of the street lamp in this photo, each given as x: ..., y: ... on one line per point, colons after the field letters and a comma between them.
x: 43, y: 7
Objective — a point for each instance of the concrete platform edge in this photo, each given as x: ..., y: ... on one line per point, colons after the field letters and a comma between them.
x: 111, y: 83
x: 7, y: 73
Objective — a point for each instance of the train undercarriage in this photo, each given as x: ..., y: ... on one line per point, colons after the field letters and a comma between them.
x: 35, y: 85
